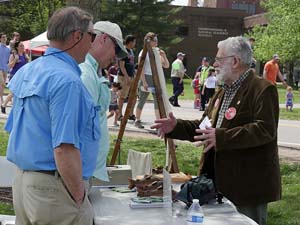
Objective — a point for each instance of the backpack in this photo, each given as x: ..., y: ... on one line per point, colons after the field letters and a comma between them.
x: 201, y: 188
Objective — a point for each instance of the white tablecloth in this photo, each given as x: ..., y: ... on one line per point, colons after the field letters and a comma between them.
x: 112, y: 208
x: 7, y: 172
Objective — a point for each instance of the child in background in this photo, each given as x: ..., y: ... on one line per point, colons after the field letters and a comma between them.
x: 196, y: 87
x: 209, y: 86
x: 113, y: 106
x: 289, y: 98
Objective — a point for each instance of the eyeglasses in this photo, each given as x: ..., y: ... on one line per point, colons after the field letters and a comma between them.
x: 93, y: 35
x: 218, y: 59
x: 117, y: 47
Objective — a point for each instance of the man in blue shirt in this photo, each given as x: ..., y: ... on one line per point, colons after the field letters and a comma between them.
x: 107, y: 45
x: 4, y: 56
x: 54, y: 127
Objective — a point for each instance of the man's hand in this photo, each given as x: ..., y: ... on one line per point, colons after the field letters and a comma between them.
x: 80, y: 200
x: 165, y: 125
x: 284, y: 84
x: 207, y: 138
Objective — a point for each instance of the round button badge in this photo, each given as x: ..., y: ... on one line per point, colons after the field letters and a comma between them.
x: 230, y: 113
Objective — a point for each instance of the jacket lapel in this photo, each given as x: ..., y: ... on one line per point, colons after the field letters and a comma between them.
x: 237, y: 100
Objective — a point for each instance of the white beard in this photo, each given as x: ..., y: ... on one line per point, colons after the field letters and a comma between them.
x: 223, y: 73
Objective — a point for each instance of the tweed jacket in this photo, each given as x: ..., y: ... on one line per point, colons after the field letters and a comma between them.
x: 244, y: 164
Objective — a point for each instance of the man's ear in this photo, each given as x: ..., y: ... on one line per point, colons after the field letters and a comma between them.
x: 236, y: 62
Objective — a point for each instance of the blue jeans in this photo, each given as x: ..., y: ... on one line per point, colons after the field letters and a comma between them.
x: 177, y: 89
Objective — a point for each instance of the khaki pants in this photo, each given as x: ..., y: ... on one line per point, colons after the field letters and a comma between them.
x: 43, y: 199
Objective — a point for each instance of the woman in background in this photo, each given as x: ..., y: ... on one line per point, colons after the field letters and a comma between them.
x: 17, y: 59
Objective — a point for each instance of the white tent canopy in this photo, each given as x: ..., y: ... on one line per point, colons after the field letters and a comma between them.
x: 39, y: 40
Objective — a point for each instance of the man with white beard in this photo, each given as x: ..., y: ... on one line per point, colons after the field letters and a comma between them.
x: 240, y: 147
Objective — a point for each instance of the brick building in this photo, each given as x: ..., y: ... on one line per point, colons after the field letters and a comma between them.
x: 201, y: 30
x: 250, y: 6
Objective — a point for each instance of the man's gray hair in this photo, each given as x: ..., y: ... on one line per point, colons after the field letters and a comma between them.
x: 66, y: 20
x: 239, y: 47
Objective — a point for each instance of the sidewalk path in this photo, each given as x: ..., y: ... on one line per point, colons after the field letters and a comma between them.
x: 288, y: 130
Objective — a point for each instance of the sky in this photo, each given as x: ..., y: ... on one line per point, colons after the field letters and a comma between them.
x: 182, y: 2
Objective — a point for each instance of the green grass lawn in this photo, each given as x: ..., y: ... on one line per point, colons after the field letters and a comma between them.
x: 6, y: 91
x: 285, y: 211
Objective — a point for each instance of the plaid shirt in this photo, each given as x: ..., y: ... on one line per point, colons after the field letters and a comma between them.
x: 230, y: 92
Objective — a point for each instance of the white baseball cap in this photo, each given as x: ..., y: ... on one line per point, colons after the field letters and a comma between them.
x: 276, y: 56
x: 180, y: 54
x: 114, y: 31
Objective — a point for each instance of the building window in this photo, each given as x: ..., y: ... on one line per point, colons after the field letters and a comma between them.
x: 249, y: 8
x: 182, y: 31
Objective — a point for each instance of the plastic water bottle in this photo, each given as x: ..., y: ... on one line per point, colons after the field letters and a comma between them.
x: 195, y: 213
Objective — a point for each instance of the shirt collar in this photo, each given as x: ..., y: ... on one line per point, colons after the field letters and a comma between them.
x: 93, y: 62
x: 64, y: 56
x: 236, y: 84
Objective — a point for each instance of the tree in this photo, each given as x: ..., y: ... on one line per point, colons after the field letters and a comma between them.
x: 282, y: 35
x: 138, y: 17
x: 29, y: 18
x: 91, y: 6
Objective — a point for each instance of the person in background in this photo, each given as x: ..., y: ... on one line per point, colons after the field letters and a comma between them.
x: 147, y: 80
x: 289, y: 98
x: 125, y: 76
x: 203, y: 76
x: 177, y: 74
x: 54, y: 129
x: 15, y: 38
x: 113, y: 106
x: 271, y: 71
x: 4, y: 57
x: 17, y: 59
x: 296, y: 78
x: 240, y: 148
x: 209, y: 85
x: 113, y: 73
x: 107, y: 45
x: 199, y: 68
x: 196, y: 88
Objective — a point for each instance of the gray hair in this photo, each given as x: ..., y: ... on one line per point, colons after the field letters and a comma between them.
x: 238, y: 46
x: 65, y: 20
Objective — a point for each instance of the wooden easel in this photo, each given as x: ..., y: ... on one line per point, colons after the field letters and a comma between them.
x: 172, y: 166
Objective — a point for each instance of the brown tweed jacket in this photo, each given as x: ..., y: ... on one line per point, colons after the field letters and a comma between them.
x: 244, y: 164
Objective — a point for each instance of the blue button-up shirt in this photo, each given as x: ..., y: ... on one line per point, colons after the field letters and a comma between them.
x: 99, y: 90
x: 4, y: 57
x: 51, y: 107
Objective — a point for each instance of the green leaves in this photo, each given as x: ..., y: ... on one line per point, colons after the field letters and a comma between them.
x: 282, y: 34
x: 140, y: 16
x: 29, y: 18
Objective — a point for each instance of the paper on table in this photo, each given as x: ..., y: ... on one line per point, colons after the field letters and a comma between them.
x: 205, y: 123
